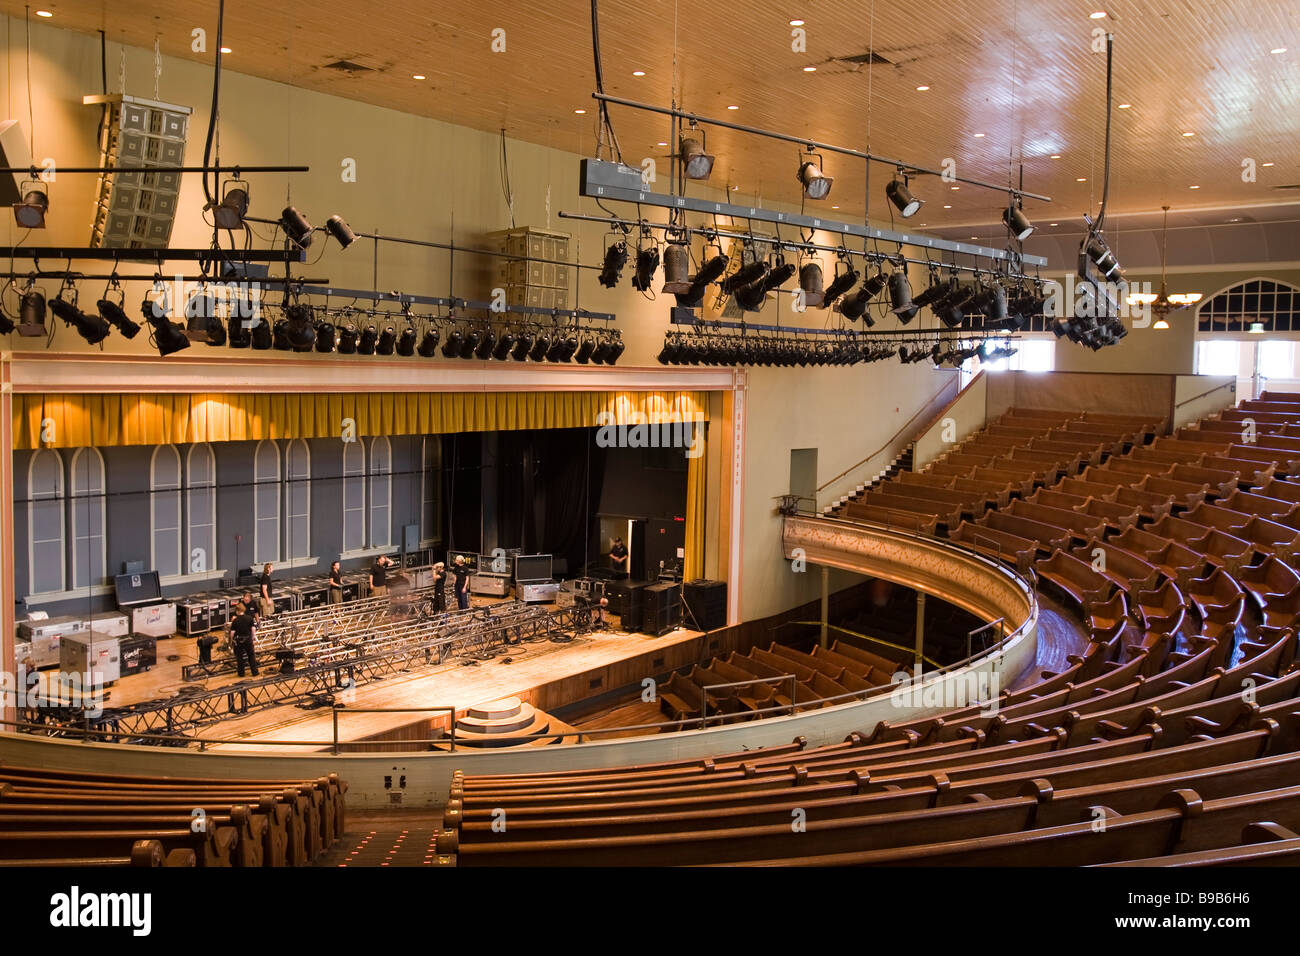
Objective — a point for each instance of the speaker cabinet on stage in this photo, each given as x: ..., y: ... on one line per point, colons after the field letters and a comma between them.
x: 705, y: 604
x: 625, y: 600
x: 661, y: 609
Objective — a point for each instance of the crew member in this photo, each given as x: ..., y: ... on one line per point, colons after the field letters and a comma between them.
x: 336, y: 584
x: 439, y: 588
x: 618, y: 558
x: 247, y: 605
x: 242, y: 631
x: 379, y: 576
x: 460, y: 581
x: 268, y: 606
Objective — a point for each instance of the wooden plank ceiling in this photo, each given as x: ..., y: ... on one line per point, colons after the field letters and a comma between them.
x: 1008, y: 80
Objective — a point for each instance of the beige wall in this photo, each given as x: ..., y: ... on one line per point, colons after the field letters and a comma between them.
x: 967, y: 414
x: 1121, y: 394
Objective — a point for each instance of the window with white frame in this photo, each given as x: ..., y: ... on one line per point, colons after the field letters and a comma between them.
x: 266, y: 502
x: 1218, y: 357
x: 381, y: 492
x: 430, y: 487
x: 354, y: 496
x: 86, y: 503
x: 297, y: 500
x: 1032, y: 355
x: 165, y: 510
x: 201, y: 508
x: 45, y: 522
x: 1277, y: 359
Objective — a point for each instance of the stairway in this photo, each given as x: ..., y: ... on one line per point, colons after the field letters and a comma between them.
x: 902, y: 463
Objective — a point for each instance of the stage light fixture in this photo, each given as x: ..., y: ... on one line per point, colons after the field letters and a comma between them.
x: 116, y: 316
x: 31, y: 210
x: 1017, y: 222
x: 615, y: 351
x: 810, y: 284
x: 750, y: 298
x: 340, y: 230
x: 902, y: 198
x: 168, y: 336
x: 900, y: 296
x: 504, y: 344
x: 428, y: 347
x: 615, y: 260
x: 296, y: 227
x: 229, y: 213
x: 261, y: 337
x: 325, y: 337
x: 200, y: 312
x: 486, y: 344
x: 541, y: 346
x: 300, y: 327
x: 522, y: 346
x: 677, y: 268
x: 367, y: 341
x: 816, y: 184
x: 556, y: 351
x: 842, y: 283
x: 406, y: 342
x: 696, y: 163
x: 1095, y: 249
x: 386, y: 344
x: 469, y: 344
x: 600, y: 352
x: 6, y: 323
x: 744, y: 276
x: 348, y: 339
x: 585, y: 349
x: 92, y: 328
x: 647, y: 262
x: 709, y: 272
x: 451, y: 347
x: 855, y: 306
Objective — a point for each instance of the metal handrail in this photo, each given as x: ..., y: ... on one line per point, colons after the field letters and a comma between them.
x: 704, y: 694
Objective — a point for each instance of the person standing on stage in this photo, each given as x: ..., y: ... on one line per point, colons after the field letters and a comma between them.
x: 246, y: 605
x: 242, y: 632
x: 439, y: 588
x: 268, y: 605
x: 379, y: 576
x: 460, y: 576
x: 618, y: 558
x: 336, y: 584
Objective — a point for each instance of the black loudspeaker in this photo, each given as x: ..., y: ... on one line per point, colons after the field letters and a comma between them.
x: 661, y: 609
x: 705, y: 604
x: 625, y: 600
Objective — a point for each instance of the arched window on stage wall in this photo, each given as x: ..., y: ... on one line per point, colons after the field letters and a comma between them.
x: 297, y: 500
x: 165, y: 510
x: 430, y: 489
x: 45, y: 522
x: 86, y: 504
x: 1273, y: 304
x: 354, y: 496
x: 381, y: 493
x: 266, y: 502
x: 200, y: 509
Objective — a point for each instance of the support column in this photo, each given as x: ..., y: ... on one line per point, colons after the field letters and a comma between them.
x: 8, y: 586
x: 920, y: 634
x: 826, y: 605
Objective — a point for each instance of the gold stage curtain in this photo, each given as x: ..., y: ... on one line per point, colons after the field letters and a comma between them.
x: 696, y: 503
x: 103, y: 420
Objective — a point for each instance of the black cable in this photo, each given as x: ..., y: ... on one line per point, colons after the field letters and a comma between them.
x: 608, y: 127
x: 216, y: 94
x: 1105, y: 181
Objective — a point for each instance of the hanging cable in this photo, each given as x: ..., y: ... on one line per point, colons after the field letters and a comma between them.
x: 606, y: 126
x: 212, y: 116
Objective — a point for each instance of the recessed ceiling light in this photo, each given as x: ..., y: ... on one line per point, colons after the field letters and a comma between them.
x: 1125, y: 106
x: 835, y: 207
x: 810, y: 69
x: 796, y: 23
x: 1097, y: 15
x: 1056, y: 156
x: 974, y: 237
x: 1267, y: 164
x: 979, y: 135
x: 47, y: 14
x: 922, y: 89
x: 661, y: 144
x: 947, y: 207
x: 1082, y: 179
x: 1235, y: 219
x: 1189, y: 133
x: 225, y: 49
x: 417, y: 76
x: 1275, y: 50
x: 733, y: 107
x: 1053, y: 223
x: 638, y: 72
x: 579, y: 112
x: 955, y: 188
x: 1193, y: 187
x: 735, y: 188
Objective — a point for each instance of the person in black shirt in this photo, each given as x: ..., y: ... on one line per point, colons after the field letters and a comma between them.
x: 336, y: 584
x: 618, y: 558
x: 268, y: 606
x: 242, y: 631
x: 379, y: 576
x: 247, y: 606
x: 460, y: 574
x: 439, y: 587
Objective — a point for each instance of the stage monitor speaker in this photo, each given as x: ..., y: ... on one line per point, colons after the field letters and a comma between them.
x: 661, y: 609
x: 705, y: 604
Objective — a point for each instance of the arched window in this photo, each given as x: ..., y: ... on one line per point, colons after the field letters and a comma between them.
x: 201, y: 508
x: 381, y: 493
x: 1267, y: 304
x: 297, y: 500
x: 86, y: 503
x: 431, y: 489
x: 354, y: 496
x: 45, y: 522
x: 266, y: 502
x: 165, y: 510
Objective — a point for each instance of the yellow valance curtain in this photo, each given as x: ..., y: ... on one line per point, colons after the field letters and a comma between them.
x: 104, y: 420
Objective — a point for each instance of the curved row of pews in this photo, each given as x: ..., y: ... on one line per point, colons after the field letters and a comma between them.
x: 1173, y: 739
x: 73, y: 818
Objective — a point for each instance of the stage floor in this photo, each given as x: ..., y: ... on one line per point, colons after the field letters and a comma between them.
x: 450, y: 684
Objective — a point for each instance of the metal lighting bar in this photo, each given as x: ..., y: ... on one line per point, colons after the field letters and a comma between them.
x: 36, y: 171
x: 804, y: 141
x: 605, y: 180
x: 402, y: 298
x: 708, y: 325
x: 154, y: 255
x: 94, y: 277
x: 709, y: 232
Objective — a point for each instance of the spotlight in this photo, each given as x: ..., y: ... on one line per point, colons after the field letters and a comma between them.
x: 583, y: 354
x: 504, y: 344
x: 92, y: 328
x: 30, y: 212
x: 300, y: 327
x: 469, y: 344
x: 615, y: 351
x: 230, y: 212
x: 348, y: 339
x: 522, y: 346
x: 167, y: 335
x: 6, y: 323
x: 750, y: 298
x: 709, y: 272
x: 556, y: 352
x: 647, y: 261
x: 201, y: 311
x: 540, y: 348
x: 744, y: 276
x: 296, y: 227
x: 406, y: 342
x: 451, y: 348
x: 428, y: 346
x: 486, y: 344
x: 387, y: 342
x: 244, y: 312
x: 115, y: 315
x: 902, y: 198
x: 843, y: 282
x: 261, y: 337
x: 900, y: 296
x: 816, y: 184
x: 325, y: 335
x: 600, y: 353
x: 1095, y: 249
x: 696, y: 163
x: 855, y: 306
x: 1017, y: 222
x: 810, y: 284
x: 677, y: 268
x: 368, y: 340
x: 615, y: 260
x: 340, y: 230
